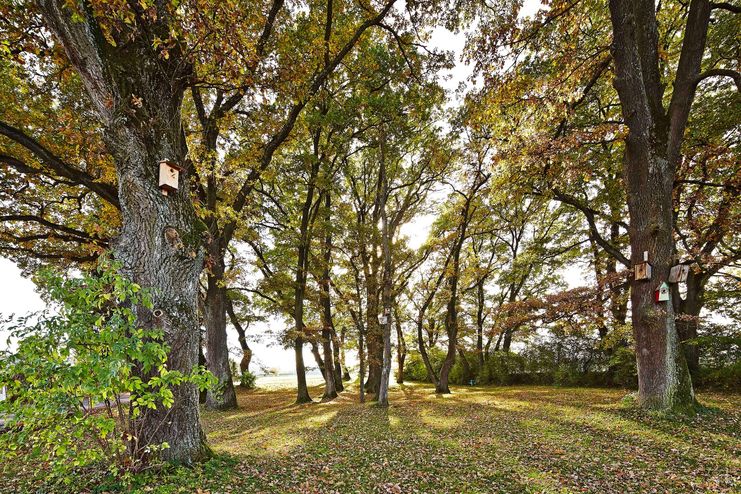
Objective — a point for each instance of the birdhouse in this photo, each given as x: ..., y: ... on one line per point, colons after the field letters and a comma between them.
x: 384, y: 317
x: 169, y: 176
x: 642, y: 270
x: 662, y: 293
x: 679, y: 273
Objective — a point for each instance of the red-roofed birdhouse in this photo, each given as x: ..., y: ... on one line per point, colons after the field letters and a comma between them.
x: 662, y: 293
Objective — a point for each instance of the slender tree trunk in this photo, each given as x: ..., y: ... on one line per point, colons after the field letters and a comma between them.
x: 467, y: 372
x: 387, y: 302
x: 330, y: 375
x: 244, y: 363
x: 222, y: 396
x: 318, y: 358
x: 374, y: 334
x: 507, y: 341
x: 336, y: 354
x: 451, y: 315
x: 302, y: 392
x: 401, y: 348
x: 689, y: 321
x: 201, y: 361
x: 480, y: 323
x: 431, y: 374
x: 361, y: 363
x: 341, y: 346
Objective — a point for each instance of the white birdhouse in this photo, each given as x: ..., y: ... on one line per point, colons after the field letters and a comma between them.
x: 662, y: 293
x: 169, y: 176
x: 384, y: 317
x: 679, y: 273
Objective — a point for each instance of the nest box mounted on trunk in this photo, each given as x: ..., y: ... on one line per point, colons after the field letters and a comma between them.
x: 662, y: 293
x: 169, y: 176
x: 383, y: 318
x: 643, y: 269
x: 679, y: 273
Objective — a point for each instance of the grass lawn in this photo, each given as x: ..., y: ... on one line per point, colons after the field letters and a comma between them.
x: 479, y: 439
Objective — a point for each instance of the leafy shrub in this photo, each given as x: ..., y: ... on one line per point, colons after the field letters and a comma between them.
x: 248, y: 380
x: 73, y: 370
x: 622, y: 368
x: 501, y: 368
x: 566, y: 375
x: 414, y: 367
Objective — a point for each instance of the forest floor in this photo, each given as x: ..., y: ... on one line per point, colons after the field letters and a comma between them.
x: 476, y: 440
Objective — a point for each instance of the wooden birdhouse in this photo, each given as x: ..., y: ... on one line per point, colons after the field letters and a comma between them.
x: 643, y: 269
x: 679, y: 273
x: 169, y: 176
x: 662, y: 293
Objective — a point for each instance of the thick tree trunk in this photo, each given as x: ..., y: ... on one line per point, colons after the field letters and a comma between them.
x: 222, y: 396
x: 652, y: 152
x: 160, y: 243
x: 302, y: 390
x: 663, y: 377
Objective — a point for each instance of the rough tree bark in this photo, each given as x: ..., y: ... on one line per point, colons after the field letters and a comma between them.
x: 244, y: 363
x: 222, y: 396
x: 387, y: 295
x: 451, y: 313
x: 302, y: 391
x: 652, y: 152
x: 137, y: 96
x: 401, y: 347
x: 330, y: 372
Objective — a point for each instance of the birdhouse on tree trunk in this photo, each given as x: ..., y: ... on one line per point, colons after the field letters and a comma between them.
x: 383, y: 318
x: 662, y: 293
x: 643, y: 270
x: 679, y: 273
x: 169, y: 176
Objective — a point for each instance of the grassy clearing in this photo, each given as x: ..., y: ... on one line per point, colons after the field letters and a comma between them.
x: 479, y: 439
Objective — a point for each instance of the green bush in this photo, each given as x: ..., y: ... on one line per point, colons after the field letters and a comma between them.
x: 71, y: 370
x: 502, y: 368
x: 622, y: 368
x: 248, y: 380
x: 414, y: 367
